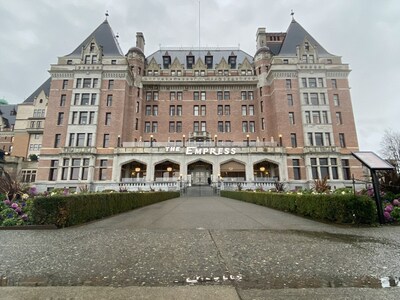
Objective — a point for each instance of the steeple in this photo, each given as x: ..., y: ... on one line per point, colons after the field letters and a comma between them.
x: 104, y: 37
x: 295, y: 36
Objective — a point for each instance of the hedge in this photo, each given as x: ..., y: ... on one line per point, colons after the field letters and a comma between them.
x: 64, y: 211
x: 345, y: 209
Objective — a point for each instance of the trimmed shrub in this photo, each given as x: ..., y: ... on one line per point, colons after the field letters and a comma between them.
x: 64, y: 211
x: 336, y: 208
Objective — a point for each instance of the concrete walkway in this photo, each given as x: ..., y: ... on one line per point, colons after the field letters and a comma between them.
x: 201, y: 248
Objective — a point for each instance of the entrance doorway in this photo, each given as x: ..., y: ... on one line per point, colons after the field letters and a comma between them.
x: 200, y: 173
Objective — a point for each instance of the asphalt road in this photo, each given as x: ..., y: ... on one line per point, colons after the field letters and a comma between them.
x: 208, y: 242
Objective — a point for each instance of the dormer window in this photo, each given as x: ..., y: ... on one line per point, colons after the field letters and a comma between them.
x: 91, y: 47
x: 94, y: 59
x: 209, y: 62
x: 189, y: 61
x: 166, y: 62
x: 307, y: 46
x: 232, y: 62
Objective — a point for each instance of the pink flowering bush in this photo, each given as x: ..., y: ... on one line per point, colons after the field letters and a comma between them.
x: 15, y: 211
x: 391, y: 210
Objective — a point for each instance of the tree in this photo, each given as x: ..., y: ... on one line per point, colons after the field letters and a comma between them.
x: 390, y: 148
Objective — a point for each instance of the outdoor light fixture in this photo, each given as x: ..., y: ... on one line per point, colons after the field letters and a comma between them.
x: 169, y: 169
x: 119, y: 141
x: 183, y: 138
x: 280, y: 140
x: 215, y: 139
x: 248, y: 140
x: 151, y: 140
x: 137, y: 169
x: 262, y: 169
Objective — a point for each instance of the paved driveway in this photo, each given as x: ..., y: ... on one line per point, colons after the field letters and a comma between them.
x: 202, y: 241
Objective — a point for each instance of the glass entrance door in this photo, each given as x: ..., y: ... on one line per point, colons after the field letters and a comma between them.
x: 200, y: 177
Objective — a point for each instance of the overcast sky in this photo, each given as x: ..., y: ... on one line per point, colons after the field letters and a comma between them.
x: 366, y: 33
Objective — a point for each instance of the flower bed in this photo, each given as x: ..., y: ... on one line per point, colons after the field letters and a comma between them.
x: 16, y: 211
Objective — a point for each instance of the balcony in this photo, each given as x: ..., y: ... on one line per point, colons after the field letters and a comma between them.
x: 199, y: 136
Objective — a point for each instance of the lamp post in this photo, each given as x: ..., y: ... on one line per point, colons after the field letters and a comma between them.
x: 119, y: 141
x: 137, y: 170
x: 169, y: 170
x: 248, y: 140
x: 215, y: 140
x: 151, y: 140
x: 262, y: 169
x: 183, y: 139
x: 280, y: 140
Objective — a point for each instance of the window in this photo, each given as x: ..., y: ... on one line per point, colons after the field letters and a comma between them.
x: 113, y: 61
x: 227, y: 95
x: 148, y: 96
x: 304, y: 58
x: 314, y: 168
x: 196, y: 126
x: 244, y: 110
x: 336, y: 101
x: 65, y: 84
x: 106, y: 140
x: 312, y: 82
x: 227, y: 126
x: 250, y: 95
x: 325, y: 117
x: 195, y: 95
x: 203, y: 96
x: 87, y: 59
x: 322, y: 98
x: 80, y: 139
x: 327, y: 139
x: 244, y: 126
x: 262, y: 124
x: 57, y: 140
x: 293, y: 140
x: 83, y: 117
x: 334, y: 83
x: 339, y: 118
x: 137, y: 124
x: 285, y: 61
x: 311, y: 59
x: 203, y: 126
x: 232, y: 62
x: 304, y: 82
x: 252, y: 126
x: 179, y: 110
x: 69, y: 62
x: 219, y: 95
x: 288, y: 83
x: 324, y: 168
x: 85, y: 99
x: 71, y: 139
x: 314, y: 98
x: 171, y: 126
x: 78, y: 83
x: 111, y: 84
x: 262, y: 106
x: 342, y: 140
x: 307, y: 117
x: 291, y: 118
x: 63, y: 100
x: 320, y: 82
x: 93, y: 101
x: 251, y: 110
x: 172, y: 110
x: 227, y: 110
x: 60, y: 118
x: 91, y: 117
x: 203, y: 110
x: 310, y: 139
x: 53, y: 170
x: 346, y: 169
x: 87, y: 82
x: 155, y: 96
x: 220, y: 110
x: 220, y: 126
x: 305, y: 97
x: 89, y: 140
x: 319, y: 141
x: 244, y: 95
x: 334, y: 168
x: 260, y: 91
x: 290, y: 99
x: 28, y: 175
x: 179, y: 126
x: 108, y: 119
x: 179, y: 96
x: 316, y: 117
x: 196, y: 110
x: 296, y: 169
x: 103, y: 169
x: 76, y: 99
x: 147, y: 127
x: 154, y: 126
x: 166, y: 61
x: 189, y: 62
x: 209, y: 62
x: 172, y: 96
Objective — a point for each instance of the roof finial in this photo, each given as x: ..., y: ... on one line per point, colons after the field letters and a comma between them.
x: 106, y: 14
x: 292, y: 14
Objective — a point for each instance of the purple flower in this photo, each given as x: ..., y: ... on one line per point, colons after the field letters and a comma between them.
x: 24, y: 217
x: 7, y: 202
x: 387, y: 216
x: 389, y: 208
x: 14, y: 205
x: 18, y: 210
x: 33, y: 191
x: 396, y: 202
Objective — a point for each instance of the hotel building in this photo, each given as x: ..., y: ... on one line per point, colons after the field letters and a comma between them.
x: 193, y: 116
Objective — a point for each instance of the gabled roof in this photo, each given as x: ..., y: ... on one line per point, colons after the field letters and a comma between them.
x: 104, y: 37
x: 44, y: 87
x: 217, y: 55
x: 8, y: 113
x: 295, y: 36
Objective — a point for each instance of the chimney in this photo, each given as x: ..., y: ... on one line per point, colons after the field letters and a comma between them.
x: 140, y: 41
x: 261, y: 37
